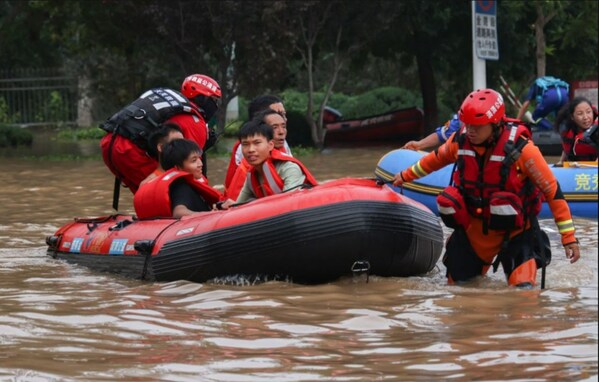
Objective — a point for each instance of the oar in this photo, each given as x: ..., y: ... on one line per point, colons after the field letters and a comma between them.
x: 512, y: 97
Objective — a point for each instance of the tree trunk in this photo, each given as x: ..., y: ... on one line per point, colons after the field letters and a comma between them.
x: 85, y: 104
x: 540, y: 40
x: 426, y: 75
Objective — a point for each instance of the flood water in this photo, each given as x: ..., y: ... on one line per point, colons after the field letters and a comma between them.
x: 63, y: 322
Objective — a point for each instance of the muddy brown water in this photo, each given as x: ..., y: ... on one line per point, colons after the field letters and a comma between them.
x: 63, y: 322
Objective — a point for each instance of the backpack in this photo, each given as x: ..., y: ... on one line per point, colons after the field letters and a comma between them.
x: 546, y: 82
x: 143, y: 116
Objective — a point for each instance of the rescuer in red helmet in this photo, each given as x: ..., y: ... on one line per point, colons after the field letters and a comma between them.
x: 499, y: 181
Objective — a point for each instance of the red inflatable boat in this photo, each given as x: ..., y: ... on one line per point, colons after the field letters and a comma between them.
x: 307, y: 236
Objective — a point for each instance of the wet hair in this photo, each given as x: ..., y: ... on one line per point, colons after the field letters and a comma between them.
x: 159, y: 136
x: 177, y: 151
x: 564, y: 120
x: 261, y: 116
x: 260, y: 103
x: 255, y: 127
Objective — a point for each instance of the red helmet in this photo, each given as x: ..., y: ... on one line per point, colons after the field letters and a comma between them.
x: 481, y: 107
x: 199, y: 84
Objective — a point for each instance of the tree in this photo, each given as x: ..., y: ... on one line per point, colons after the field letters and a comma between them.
x: 330, y: 33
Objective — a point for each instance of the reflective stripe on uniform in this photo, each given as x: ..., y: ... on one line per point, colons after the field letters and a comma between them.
x: 418, y: 171
x: 268, y: 177
x: 497, y: 158
x: 467, y: 152
x: 446, y: 210
x: 565, y: 226
x: 503, y: 210
x: 513, y: 132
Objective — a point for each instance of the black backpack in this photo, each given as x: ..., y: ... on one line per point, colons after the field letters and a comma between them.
x: 144, y: 115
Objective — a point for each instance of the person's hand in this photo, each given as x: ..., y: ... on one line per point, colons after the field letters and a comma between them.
x: 398, y: 180
x: 412, y: 145
x: 572, y: 251
x: 226, y: 204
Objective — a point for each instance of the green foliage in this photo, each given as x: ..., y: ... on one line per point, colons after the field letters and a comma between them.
x: 11, y: 136
x: 157, y: 43
x: 302, y: 151
x: 375, y: 101
x: 4, y: 113
x: 54, y: 109
x: 92, y: 133
x: 232, y: 128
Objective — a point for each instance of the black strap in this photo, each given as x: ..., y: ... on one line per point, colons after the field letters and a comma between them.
x: 117, y: 181
x: 116, y: 193
x: 534, y: 222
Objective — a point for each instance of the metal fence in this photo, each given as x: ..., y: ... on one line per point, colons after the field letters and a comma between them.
x: 31, y: 97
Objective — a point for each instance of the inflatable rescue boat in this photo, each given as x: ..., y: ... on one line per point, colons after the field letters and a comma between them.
x: 578, y: 182
x: 312, y: 235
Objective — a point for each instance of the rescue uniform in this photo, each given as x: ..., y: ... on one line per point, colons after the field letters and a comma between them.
x: 132, y: 164
x: 485, y: 242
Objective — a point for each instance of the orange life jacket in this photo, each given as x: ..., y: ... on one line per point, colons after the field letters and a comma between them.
x: 273, y: 184
x: 152, y: 200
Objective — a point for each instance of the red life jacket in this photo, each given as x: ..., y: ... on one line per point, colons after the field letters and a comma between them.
x: 575, y: 148
x: 237, y: 174
x: 237, y: 180
x: 152, y: 200
x: 490, y: 185
x: 273, y: 184
x: 232, y: 166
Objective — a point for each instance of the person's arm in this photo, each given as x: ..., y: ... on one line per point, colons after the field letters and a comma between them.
x: 427, y: 142
x: 534, y: 166
x: 185, y: 200
x: 291, y: 174
x: 562, y: 159
x: 523, y: 109
x: 246, y: 194
x: 433, y: 161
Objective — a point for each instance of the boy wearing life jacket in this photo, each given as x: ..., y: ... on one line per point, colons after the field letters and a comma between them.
x: 156, y: 141
x: 238, y: 167
x: 182, y: 190
x: 498, y: 182
x: 278, y: 123
x: 272, y: 172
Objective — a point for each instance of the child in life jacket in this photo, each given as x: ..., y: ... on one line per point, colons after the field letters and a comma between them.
x: 238, y: 167
x: 156, y: 141
x: 181, y: 190
x: 272, y: 172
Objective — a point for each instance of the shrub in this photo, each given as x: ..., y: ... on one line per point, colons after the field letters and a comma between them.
x: 15, y: 136
x: 81, y: 133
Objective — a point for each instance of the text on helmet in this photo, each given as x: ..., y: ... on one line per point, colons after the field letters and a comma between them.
x: 204, y: 82
x: 491, y: 112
